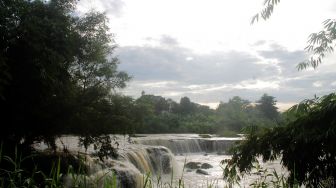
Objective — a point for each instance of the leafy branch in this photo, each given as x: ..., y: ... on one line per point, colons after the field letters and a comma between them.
x: 319, y: 44
x: 266, y: 12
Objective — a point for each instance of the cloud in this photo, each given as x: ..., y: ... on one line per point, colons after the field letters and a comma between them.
x: 333, y: 83
x: 111, y: 7
x: 172, y: 71
x: 178, y: 63
x: 287, y: 60
x: 167, y: 40
x: 317, y: 84
x: 259, y: 43
x: 114, y: 7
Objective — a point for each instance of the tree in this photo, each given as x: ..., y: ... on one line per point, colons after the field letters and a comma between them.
x: 312, y: 124
x: 239, y: 113
x: 305, y: 143
x: 55, y: 77
x: 95, y: 74
x: 157, y: 103
x: 266, y: 105
x: 233, y: 114
x: 186, y: 106
x: 37, y: 48
x: 237, y: 103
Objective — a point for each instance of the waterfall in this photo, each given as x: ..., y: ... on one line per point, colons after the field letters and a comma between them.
x: 131, y: 167
x: 151, y: 154
x: 136, y: 161
x: 176, y: 146
x: 153, y: 159
x: 181, y: 146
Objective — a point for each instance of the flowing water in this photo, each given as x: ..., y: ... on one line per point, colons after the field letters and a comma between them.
x: 164, y: 157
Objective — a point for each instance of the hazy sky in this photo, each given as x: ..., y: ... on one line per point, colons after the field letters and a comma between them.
x: 207, y: 49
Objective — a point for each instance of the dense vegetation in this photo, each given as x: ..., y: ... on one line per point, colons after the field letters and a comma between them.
x: 160, y: 115
x: 57, y: 76
x: 57, y: 73
x: 305, y: 141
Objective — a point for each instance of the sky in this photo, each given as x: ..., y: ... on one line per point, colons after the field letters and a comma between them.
x: 208, y: 51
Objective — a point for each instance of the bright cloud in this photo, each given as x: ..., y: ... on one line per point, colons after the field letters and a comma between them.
x: 208, y: 50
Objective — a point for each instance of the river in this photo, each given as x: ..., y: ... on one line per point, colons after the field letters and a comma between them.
x: 165, y: 157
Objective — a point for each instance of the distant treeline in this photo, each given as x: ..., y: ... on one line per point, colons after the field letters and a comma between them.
x: 156, y: 114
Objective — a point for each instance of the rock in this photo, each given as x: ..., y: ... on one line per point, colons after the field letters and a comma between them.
x: 206, y: 166
x: 205, y: 154
x: 166, y: 164
x: 203, y: 172
x: 193, y: 165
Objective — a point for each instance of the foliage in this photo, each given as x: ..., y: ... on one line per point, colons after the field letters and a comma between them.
x: 319, y: 44
x: 16, y: 175
x: 305, y: 143
x: 156, y: 114
x: 56, y: 174
x: 266, y: 12
x: 239, y: 113
x: 266, y: 105
x: 160, y: 115
x: 58, y: 75
x: 101, y: 144
x: 311, y: 123
x: 265, y: 178
x: 186, y: 106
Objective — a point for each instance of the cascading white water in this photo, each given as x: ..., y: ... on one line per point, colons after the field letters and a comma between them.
x: 176, y: 146
x: 137, y: 161
x: 191, y: 145
x: 153, y: 159
x: 154, y: 154
x: 132, y: 165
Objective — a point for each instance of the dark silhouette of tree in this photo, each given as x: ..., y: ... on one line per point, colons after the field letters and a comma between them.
x: 186, y: 106
x: 266, y: 104
x: 55, y: 77
x: 305, y: 143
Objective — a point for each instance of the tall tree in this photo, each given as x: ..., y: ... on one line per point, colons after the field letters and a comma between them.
x: 186, y: 106
x: 266, y: 104
x: 38, y: 48
x: 55, y: 71
x: 233, y: 114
